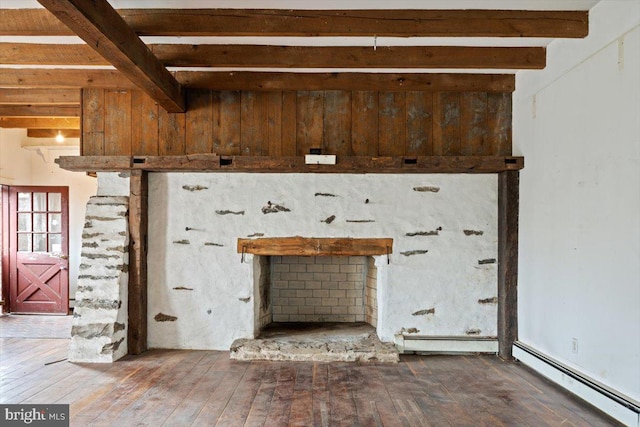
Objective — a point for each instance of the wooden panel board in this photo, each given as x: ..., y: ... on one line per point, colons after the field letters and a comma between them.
x: 228, y: 113
x: 253, y: 124
x: 314, y: 246
x: 336, y: 132
x: 93, y: 115
x: 274, y: 123
x: 473, y: 124
x: 446, y: 124
x: 117, y: 125
x: 199, y: 122
x: 171, y: 133
x: 309, y: 122
x: 289, y: 123
x: 419, y: 123
x: 364, y: 126
x: 40, y: 122
x: 391, y: 123
x: 499, y: 123
x: 144, y: 124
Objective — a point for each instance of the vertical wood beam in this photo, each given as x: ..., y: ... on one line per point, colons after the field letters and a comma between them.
x: 138, y: 203
x: 508, y: 212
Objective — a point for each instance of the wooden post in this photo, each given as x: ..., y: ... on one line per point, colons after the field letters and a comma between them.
x: 508, y: 211
x: 137, y: 334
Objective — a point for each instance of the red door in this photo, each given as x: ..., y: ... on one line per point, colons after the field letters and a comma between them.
x: 38, y: 250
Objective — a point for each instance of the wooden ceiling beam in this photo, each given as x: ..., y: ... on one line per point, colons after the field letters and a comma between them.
x: 39, y: 110
x: 100, y: 26
x: 301, y: 23
x: 63, y: 78
x: 247, y: 56
x: 52, y: 133
x: 248, y: 80
x: 40, y: 96
x: 40, y: 122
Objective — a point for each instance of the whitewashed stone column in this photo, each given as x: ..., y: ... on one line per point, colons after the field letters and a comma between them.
x: 99, y: 331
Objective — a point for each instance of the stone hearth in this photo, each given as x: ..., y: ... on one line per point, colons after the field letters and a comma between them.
x: 318, y: 342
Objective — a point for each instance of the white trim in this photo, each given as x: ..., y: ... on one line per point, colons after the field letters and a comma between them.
x: 576, y: 386
x: 445, y: 344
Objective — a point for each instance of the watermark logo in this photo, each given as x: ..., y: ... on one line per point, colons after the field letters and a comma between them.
x: 34, y: 415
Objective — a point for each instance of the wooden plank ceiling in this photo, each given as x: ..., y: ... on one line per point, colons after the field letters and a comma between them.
x: 163, y: 51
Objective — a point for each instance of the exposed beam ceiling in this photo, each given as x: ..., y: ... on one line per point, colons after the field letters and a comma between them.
x: 301, y: 23
x: 453, y: 45
x: 52, y: 133
x: 100, y: 26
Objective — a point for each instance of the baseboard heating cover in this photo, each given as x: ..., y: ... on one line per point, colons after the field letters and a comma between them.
x: 620, y: 407
x: 445, y: 344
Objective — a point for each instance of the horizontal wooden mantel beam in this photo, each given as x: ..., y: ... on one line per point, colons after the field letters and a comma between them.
x: 252, y: 56
x: 263, y: 81
x: 39, y: 110
x: 261, y: 164
x: 300, y: 23
x: 314, y: 246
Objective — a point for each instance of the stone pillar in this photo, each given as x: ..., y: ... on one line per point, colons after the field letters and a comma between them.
x: 99, y: 329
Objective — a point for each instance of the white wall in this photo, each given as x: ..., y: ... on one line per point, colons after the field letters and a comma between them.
x: 22, y: 166
x: 578, y: 125
x: 214, y: 310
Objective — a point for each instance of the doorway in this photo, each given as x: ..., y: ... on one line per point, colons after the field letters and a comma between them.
x: 37, y: 224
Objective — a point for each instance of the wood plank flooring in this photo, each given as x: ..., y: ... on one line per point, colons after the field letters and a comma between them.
x: 205, y: 388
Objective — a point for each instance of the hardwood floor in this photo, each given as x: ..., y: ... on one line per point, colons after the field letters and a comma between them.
x: 205, y: 388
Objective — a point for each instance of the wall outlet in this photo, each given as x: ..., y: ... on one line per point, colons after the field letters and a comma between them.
x: 574, y: 345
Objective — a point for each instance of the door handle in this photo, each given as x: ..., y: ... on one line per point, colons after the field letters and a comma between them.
x: 63, y: 268
x: 64, y: 256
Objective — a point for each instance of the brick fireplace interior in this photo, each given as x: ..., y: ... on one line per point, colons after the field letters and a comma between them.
x: 306, y: 289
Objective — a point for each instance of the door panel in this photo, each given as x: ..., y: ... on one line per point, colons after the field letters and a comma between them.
x: 39, y: 248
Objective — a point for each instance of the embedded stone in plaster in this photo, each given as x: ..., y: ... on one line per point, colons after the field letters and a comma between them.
x: 426, y: 189
x: 194, y: 187
x: 274, y: 208
x: 424, y: 312
x: 473, y: 232
x: 182, y: 242
x: 161, y: 317
x: 487, y: 261
x: 256, y: 235
x: 492, y: 300
x: 329, y: 219
x: 325, y: 195
x: 360, y: 220
x: 435, y: 232
x: 414, y: 252
x: 213, y: 244
x: 182, y: 288
x: 409, y: 331
x: 228, y: 212
x: 473, y: 331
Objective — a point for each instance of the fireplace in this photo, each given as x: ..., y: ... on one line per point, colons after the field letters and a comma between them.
x: 207, y: 278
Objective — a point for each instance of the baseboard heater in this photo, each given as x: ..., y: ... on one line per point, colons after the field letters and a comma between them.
x: 445, y: 344
x: 618, y: 406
